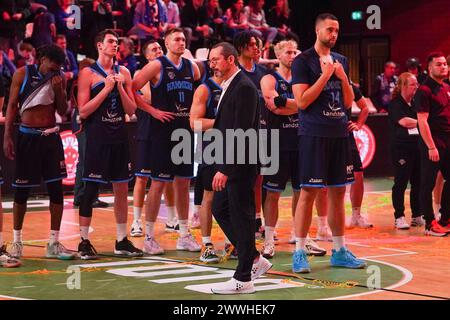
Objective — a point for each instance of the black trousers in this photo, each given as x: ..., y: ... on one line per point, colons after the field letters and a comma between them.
x: 234, y: 210
x: 406, y: 160
x: 428, y: 177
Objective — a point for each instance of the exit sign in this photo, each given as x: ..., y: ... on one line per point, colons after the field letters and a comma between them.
x: 357, y: 15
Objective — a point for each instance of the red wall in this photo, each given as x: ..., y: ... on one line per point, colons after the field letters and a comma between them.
x: 417, y: 30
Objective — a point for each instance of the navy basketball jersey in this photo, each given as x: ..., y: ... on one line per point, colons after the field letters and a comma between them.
x: 174, y: 92
x: 255, y: 75
x: 33, y: 78
x: 287, y: 125
x: 326, y: 116
x: 214, y: 92
x: 107, y: 123
x: 213, y: 98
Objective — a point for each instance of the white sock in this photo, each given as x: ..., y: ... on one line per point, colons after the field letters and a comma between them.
x: 323, y: 222
x: 206, y: 240
x: 183, y: 227
x: 84, y: 232
x: 54, y: 236
x: 338, y: 242
x: 149, y: 229
x: 269, y: 231
x: 197, y: 208
x: 121, y: 231
x: 258, y: 215
x: 300, y: 244
x: 17, y: 235
x: 1, y: 238
x: 356, y: 211
x: 171, y: 213
x: 436, y: 207
x: 137, y: 212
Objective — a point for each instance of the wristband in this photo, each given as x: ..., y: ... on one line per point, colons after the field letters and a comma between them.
x: 280, y: 101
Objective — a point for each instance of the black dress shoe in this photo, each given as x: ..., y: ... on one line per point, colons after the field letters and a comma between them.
x: 99, y: 204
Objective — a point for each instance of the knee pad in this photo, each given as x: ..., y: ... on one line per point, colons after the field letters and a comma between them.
x: 89, y: 195
x: 21, y: 195
x: 55, y: 192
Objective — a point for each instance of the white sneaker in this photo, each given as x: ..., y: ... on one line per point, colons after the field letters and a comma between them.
x: 260, y: 267
x: 360, y: 221
x: 292, y: 238
x: 136, y: 228
x: 6, y: 261
x: 56, y: 250
x: 195, y: 221
x: 151, y: 246
x: 323, y: 234
x: 188, y: 243
x: 313, y: 249
x: 268, y: 249
x: 233, y: 286
x: 401, y: 224
x: 172, y: 226
x: 16, y: 250
x: 417, y: 222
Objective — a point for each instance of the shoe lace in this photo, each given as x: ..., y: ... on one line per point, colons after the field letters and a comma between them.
x: 298, y: 258
x: 90, y: 248
x: 60, y: 248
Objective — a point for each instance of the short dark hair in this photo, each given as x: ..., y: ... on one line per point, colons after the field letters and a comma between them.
x: 434, y: 54
x: 145, y: 45
x: 60, y: 36
x: 389, y: 62
x: 227, y: 50
x: 242, y: 39
x: 102, y: 34
x: 168, y: 33
x: 52, y: 52
x: 323, y: 16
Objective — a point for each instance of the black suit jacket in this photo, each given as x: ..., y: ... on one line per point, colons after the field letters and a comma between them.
x: 238, y: 109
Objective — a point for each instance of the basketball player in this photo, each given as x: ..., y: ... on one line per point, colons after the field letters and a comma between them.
x: 151, y: 51
x: 6, y: 260
x: 37, y: 91
x: 203, y: 112
x: 104, y: 97
x: 246, y: 43
x: 277, y: 91
x: 322, y: 92
x: 171, y: 78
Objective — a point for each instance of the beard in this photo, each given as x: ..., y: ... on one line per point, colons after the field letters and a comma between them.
x: 328, y: 43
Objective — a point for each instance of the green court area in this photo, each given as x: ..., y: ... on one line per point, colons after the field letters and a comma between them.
x: 179, y: 276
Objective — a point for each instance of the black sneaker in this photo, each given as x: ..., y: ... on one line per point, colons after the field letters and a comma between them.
x: 126, y: 248
x: 99, y: 204
x: 87, y: 250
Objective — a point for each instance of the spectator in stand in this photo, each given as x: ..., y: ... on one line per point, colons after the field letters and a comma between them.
x: 215, y: 19
x: 150, y: 18
x: 383, y: 86
x: 44, y: 28
x: 102, y: 15
x: 173, y: 15
x: 26, y: 55
x: 413, y: 66
x: 7, y: 68
x: 13, y: 16
x: 236, y: 18
x: 70, y: 66
x: 257, y: 22
x: 64, y: 19
x: 126, y: 56
x: 278, y: 17
x: 194, y: 21
x: 447, y: 81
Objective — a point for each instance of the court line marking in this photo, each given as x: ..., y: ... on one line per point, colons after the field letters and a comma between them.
x: 407, y: 277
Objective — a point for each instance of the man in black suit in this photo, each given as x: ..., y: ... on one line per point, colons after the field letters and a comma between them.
x: 234, y: 202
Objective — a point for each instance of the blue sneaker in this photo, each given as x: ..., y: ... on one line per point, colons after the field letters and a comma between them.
x: 344, y: 258
x: 300, y: 262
